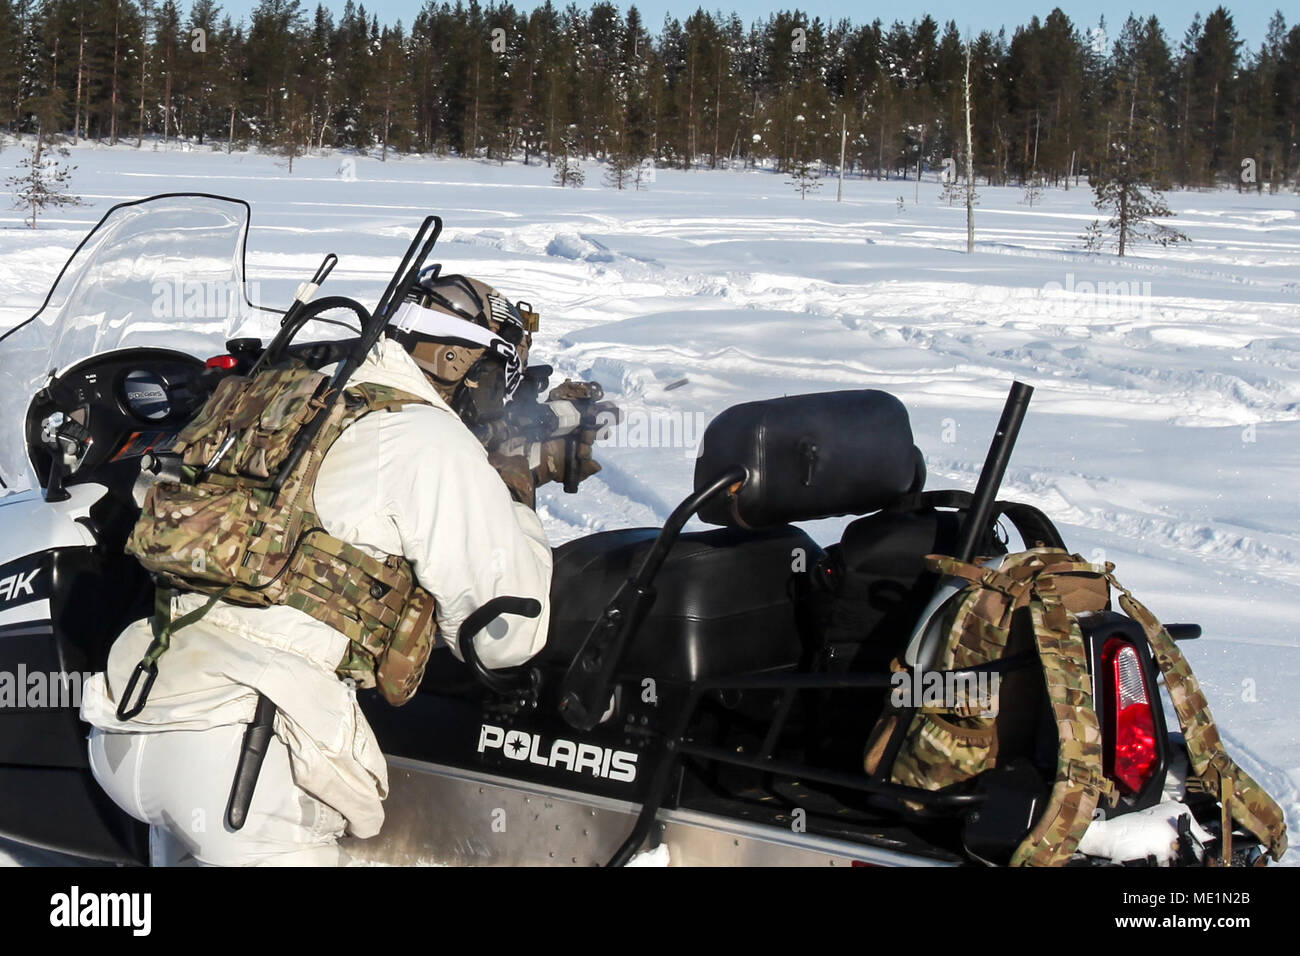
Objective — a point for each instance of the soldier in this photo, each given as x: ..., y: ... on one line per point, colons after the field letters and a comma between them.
x: 415, y: 483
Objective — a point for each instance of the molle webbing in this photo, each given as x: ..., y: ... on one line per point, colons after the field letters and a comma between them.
x: 225, y: 533
x: 1057, y: 586
x: 1242, y: 798
x: 1030, y: 580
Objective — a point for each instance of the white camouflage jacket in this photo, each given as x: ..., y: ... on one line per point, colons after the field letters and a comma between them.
x: 413, y: 482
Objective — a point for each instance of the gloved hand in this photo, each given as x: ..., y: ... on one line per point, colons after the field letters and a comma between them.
x: 598, y: 417
x: 514, y: 471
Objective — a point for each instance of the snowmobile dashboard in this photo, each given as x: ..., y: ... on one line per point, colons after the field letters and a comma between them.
x: 98, y: 417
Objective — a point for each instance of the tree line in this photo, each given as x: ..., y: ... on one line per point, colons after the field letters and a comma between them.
x: 1048, y: 103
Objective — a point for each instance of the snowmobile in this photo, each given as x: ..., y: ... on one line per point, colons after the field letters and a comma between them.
x: 704, y: 693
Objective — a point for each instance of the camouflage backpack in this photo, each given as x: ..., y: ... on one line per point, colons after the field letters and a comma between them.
x: 947, y: 745
x: 225, y: 530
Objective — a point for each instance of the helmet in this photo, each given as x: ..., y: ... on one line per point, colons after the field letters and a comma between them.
x: 469, y: 339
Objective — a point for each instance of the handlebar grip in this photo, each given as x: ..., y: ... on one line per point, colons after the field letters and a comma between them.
x: 481, y: 616
x: 508, y: 683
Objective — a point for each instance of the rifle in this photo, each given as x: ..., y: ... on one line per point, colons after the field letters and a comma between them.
x: 526, y: 420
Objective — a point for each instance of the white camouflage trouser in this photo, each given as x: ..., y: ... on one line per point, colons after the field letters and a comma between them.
x: 179, y: 781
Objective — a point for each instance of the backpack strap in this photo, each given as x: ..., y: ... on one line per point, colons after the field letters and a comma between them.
x: 1242, y: 799
x: 1080, y: 780
x: 976, y: 574
x: 164, y: 626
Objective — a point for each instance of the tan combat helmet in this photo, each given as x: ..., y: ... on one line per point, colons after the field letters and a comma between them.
x: 470, y: 340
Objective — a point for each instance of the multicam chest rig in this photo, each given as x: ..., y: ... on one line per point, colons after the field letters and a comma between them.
x: 219, y: 527
x: 234, y: 516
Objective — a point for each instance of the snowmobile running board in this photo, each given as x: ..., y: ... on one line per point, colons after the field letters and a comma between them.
x: 446, y: 816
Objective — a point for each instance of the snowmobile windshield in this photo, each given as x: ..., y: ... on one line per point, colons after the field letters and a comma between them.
x: 165, y: 272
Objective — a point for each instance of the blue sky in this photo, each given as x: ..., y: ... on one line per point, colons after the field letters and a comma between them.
x: 1251, y: 16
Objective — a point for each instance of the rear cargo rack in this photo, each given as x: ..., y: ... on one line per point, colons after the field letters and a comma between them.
x: 677, y: 745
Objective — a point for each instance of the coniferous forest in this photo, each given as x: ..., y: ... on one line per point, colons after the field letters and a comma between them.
x: 1048, y: 98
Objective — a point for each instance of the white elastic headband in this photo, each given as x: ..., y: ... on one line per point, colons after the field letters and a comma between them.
x: 413, y: 319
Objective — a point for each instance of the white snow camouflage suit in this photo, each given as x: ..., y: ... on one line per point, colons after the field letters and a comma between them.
x: 413, y: 482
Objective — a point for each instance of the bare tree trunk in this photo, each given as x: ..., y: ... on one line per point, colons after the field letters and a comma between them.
x: 167, y: 106
x: 81, y: 60
x: 717, y: 112
x: 880, y: 158
x: 383, y: 154
x: 112, y: 109
x: 690, y: 119
x: 324, y: 124
x: 1123, y: 218
x: 139, y: 140
x: 474, y: 145
x: 844, y: 138
x: 970, y: 161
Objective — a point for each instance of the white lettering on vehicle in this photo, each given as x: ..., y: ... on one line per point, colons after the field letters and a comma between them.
x: 602, y: 762
x: 16, y: 585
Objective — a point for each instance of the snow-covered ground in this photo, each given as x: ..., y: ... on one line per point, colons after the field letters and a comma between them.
x: 1164, y: 434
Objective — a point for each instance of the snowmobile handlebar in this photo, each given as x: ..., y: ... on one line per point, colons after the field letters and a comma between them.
x: 298, y: 316
x: 516, y: 683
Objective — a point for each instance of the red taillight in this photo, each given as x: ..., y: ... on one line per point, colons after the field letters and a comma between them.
x: 226, y: 362
x: 1131, y: 749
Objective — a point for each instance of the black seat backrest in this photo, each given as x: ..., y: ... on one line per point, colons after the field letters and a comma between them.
x: 727, y: 601
x: 810, y: 456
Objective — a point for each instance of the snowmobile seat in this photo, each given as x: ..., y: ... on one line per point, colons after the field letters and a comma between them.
x: 809, y: 456
x: 728, y: 601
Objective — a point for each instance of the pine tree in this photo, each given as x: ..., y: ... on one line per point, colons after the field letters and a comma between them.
x: 805, y: 177
x: 1033, y: 190
x: 619, y: 170
x: 143, y: 31
x: 166, y: 55
x: 1215, y: 61
x: 229, y: 82
x: 42, y: 181
x: 1286, y: 100
x: 567, y: 170
x: 198, y: 61
x: 391, y: 99
x: 1127, y: 182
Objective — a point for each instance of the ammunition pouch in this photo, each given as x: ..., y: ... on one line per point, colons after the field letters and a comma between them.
x: 224, y: 528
